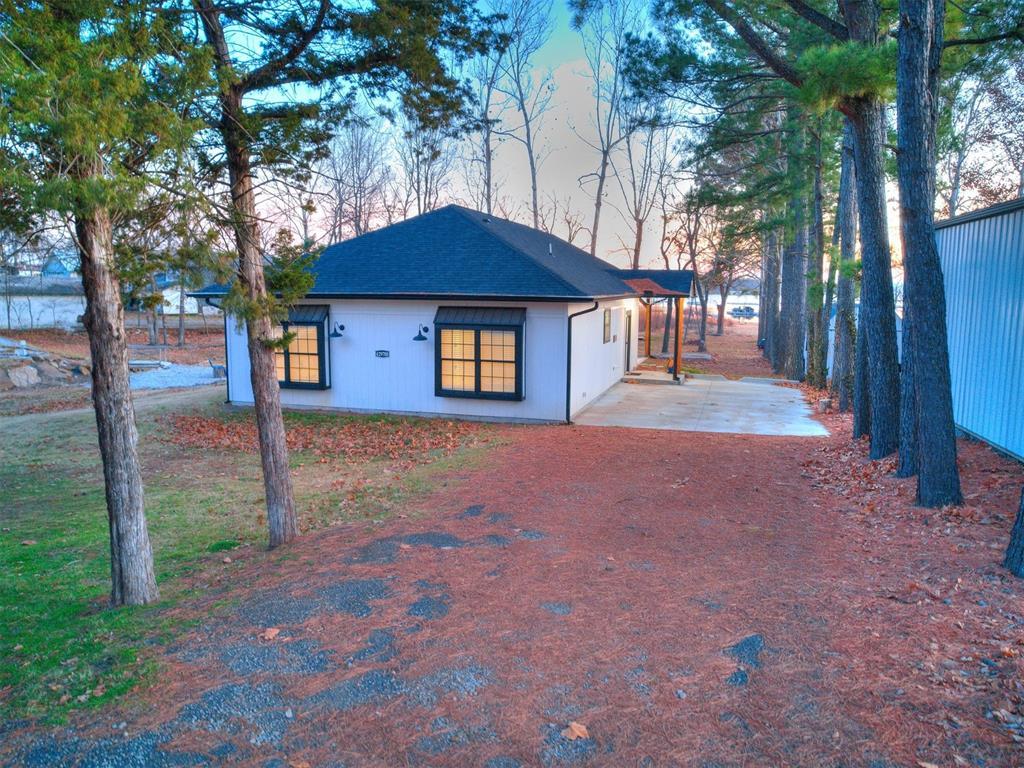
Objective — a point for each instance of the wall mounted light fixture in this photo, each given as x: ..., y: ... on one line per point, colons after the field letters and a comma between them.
x: 421, y: 330
x: 336, y: 331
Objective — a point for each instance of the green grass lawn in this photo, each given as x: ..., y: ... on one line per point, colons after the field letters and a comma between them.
x: 61, y: 647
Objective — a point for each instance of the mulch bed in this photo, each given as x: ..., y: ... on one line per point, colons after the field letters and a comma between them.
x: 692, y: 599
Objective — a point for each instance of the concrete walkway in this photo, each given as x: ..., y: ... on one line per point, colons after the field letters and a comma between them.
x: 711, y: 404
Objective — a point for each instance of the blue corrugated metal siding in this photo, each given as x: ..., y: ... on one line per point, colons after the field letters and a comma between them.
x: 983, y: 264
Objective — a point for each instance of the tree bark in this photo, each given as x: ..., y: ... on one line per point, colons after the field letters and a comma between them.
x: 131, y: 557
x: 861, y: 385
x: 917, y: 83
x: 277, y: 482
x: 817, y: 335
x: 846, y: 325
x: 771, y: 288
x: 794, y: 293
x: 878, y: 314
x: 602, y: 176
x: 907, y: 466
x: 878, y: 311
x: 181, y: 310
x: 1014, y: 560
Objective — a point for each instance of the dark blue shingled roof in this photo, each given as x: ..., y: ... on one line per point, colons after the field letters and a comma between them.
x: 455, y: 252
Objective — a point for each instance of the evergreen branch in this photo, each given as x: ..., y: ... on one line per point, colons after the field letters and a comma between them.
x: 1015, y: 33
x: 265, y: 75
x: 819, y: 19
x: 757, y: 44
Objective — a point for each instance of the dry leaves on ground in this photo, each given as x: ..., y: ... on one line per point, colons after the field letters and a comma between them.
x: 409, y: 441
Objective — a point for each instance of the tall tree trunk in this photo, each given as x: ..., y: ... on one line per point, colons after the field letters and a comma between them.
x: 1014, y: 560
x: 917, y: 83
x: 861, y: 384
x: 277, y: 482
x: 131, y: 556
x: 154, y: 327
x: 638, y: 242
x: 771, y: 290
x: 907, y: 466
x: 488, y: 152
x: 602, y: 176
x: 794, y: 293
x: 878, y: 313
x: 846, y: 324
x: 532, y: 159
x: 720, y: 319
x: 817, y: 335
x: 181, y: 310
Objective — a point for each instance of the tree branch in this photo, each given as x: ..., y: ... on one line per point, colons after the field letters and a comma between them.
x: 819, y: 19
x: 757, y: 44
x: 263, y: 77
x: 1016, y: 33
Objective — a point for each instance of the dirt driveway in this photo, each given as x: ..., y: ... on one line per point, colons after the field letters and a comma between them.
x: 691, y: 600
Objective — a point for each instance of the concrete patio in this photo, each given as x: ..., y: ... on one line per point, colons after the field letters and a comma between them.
x: 706, y: 404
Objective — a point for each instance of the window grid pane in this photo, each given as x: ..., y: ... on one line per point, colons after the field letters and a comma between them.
x: 493, y: 372
x: 300, y: 363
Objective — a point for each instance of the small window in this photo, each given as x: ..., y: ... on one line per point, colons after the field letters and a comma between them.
x: 607, y: 326
x: 479, y: 362
x: 302, y: 365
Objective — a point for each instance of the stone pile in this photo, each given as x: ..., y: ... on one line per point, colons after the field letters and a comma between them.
x: 23, y: 367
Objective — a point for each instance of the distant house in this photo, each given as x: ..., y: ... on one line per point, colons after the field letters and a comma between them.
x: 40, y: 301
x: 457, y: 313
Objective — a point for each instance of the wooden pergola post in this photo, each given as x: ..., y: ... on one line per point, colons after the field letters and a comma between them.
x: 647, y: 333
x: 678, y: 346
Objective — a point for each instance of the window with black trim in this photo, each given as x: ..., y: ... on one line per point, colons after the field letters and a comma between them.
x: 479, y: 361
x: 607, y: 326
x: 302, y: 365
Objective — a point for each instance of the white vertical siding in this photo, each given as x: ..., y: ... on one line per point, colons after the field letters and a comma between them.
x: 403, y: 382
x: 983, y: 265
x: 596, y: 366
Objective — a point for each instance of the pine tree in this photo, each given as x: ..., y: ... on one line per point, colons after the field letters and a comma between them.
x: 277, y: 105
x: 93, y: 94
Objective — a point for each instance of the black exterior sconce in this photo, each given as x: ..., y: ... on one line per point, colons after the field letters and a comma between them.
x: 421, y: 331
x: 336, y: 331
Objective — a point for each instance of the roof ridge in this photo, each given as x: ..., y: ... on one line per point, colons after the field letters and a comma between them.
x: 464, y: 212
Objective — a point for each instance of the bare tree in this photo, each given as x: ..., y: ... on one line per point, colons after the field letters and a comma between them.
x: 359, y: 172
x: 556, y: 216
x: 1004, y: 124
x: 529, y: 26
x: 605, y: 28
x: 427, y: 158
x: 642, y: 171
x: 485, y: 72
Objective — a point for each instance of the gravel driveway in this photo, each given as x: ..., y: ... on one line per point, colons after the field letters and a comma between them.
x: 174, y: 376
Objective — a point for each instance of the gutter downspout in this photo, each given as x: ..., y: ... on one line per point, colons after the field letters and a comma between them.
x: 568, y: 362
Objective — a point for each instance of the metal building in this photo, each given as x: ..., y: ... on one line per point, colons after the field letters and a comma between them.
x: 982, y: 256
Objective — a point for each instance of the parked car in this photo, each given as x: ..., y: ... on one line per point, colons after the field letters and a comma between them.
x: 743, y: 312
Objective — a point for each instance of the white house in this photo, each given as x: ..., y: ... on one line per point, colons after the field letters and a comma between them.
x: 457, y: 313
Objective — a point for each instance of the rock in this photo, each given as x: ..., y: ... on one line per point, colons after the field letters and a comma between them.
x: 49, y: 372
x: 82, y: 370
x: 26, y: 376
x: 5, y: 381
